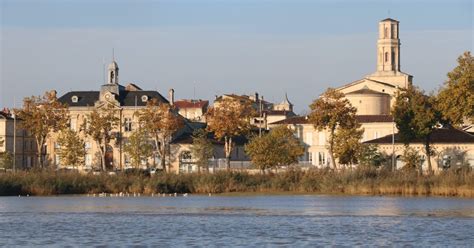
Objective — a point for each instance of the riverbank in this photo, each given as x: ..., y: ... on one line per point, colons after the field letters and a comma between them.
x: 357, y: 182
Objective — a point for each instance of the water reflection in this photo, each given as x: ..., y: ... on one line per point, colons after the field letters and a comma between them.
x: 236, y: 221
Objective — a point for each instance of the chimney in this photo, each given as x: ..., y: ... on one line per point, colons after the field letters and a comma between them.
x: 171, y: 97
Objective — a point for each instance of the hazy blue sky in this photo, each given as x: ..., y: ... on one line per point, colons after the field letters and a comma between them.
x: 205, y: 48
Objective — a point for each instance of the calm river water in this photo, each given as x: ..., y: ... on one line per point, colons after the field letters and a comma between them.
x: 245, y: 221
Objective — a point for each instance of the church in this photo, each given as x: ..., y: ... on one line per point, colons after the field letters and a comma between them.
x: 373, y: 96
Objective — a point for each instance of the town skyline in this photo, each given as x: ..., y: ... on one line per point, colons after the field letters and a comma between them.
x: 272, y: 56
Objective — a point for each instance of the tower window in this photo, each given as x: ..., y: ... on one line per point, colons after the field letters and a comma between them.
x: 112, y: 75
x: 386, y: 33
x: 386, y: 56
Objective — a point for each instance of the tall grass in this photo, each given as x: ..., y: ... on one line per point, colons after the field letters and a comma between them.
x: 360, y: 181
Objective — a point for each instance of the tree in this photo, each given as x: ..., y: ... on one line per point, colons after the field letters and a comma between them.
x: 347, y: 144
x: 202, y: 149
x: 40, y: 116
x: 228, y: 119
x: 416, y: 118
x: 71, y: 148
x: 456, y: 98
x: 6, y: 160
x: 412, y: 160
x: 276, y: 148
x: 369, y: 155
x: 331, y: 112
x: 161, y: 122
x: 99, y: 125
x: 138, y: 146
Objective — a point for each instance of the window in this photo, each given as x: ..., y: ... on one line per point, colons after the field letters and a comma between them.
x: 73, y: 124
x: 322, y: 139
x: 128, y: 124
x: 88, y: 160
x: 57, y: 159
x: 386, y: 56
x: 385, y: 34
x: 309, y: 138
x: 144, y: 98
x: 321, y: 158
x: 74, y: 99
x: 310, y: 157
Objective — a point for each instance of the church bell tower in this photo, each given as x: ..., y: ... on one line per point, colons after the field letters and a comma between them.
x: 112, y: 72
x: 388, y: 46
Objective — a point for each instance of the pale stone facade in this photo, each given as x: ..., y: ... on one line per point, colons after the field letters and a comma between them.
x: 25, y: 145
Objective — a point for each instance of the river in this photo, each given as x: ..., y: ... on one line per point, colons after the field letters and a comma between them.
x: 245, y: 221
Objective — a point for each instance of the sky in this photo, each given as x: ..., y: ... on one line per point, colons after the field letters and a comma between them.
x: 204, y: 48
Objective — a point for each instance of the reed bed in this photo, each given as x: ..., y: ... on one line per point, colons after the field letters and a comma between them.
x: 317, y: 181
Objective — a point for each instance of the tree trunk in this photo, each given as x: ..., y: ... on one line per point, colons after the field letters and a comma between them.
x: 428, y: 154
x: 331, y: 148
x: 39, y: 154
x: 102, y: 155
x: 163, y: 156
x: 227, y: 150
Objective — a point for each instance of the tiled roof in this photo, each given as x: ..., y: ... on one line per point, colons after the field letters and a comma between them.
x: 389, y: 19
x: 292, y: 120
x: 366, y: 91
x: 360, y: 119
x: 126, y: 98
x: 191, y: 104
x: 441, y: 135
x: 279, y: 112
x: 374, y: 118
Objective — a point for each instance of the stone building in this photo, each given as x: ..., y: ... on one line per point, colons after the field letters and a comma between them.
x: 22, y: 146
x: 373, y: 96
x: 126, y: 100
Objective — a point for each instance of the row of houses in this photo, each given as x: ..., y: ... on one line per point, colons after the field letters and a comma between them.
x: 373, y: 96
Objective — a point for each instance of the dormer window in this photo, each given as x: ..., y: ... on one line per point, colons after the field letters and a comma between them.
x: 74, y: 99
x: 144, y: 98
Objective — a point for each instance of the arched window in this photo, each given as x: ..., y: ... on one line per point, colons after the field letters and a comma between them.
x: 386, y: 56
x: 386, y: 33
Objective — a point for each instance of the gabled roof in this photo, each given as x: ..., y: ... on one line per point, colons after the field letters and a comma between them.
x: 365, y: 79
x: 360, y: 119
x: 191, y: 104
x: 126, y: 98
x: 366, y: 91
x: 439, y: 136
x: 389, y: 19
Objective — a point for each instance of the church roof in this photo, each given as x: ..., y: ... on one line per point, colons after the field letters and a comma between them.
x: 366, y: 91
x: 126, y: 98
x: 389, y: 19
x: 362, y: 80
x: 441, y: 135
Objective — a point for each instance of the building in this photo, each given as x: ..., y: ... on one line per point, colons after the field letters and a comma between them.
x: 266, y: 112
x: 125, y: 99
x: 191, y: 109
x: 452, y: 148
x: 22, y: 146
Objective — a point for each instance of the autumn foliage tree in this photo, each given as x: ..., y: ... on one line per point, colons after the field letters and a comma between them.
x: 456, y: 98
x: 416, y: 117
x: 276, y: 148
x: 347, y: 144
x: 332, y: 112
x: 99, y: 125
x: 202, y: 149
x: 71, y: 148
x: 40, y: 116
x: 138, y: 146
x: 161, y: 122
x: 228, y: 119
